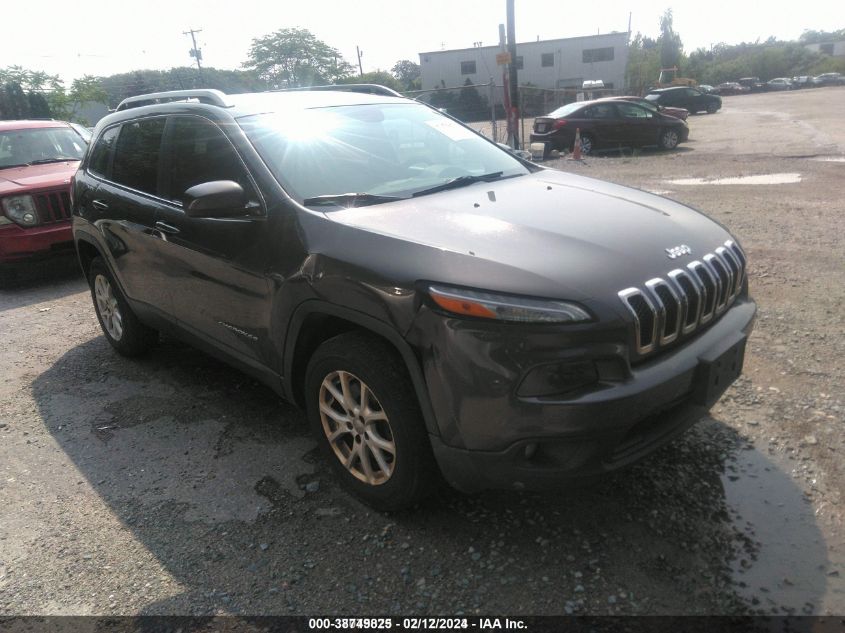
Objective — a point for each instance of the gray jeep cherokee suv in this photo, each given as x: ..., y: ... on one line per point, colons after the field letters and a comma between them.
x: 436, y: 304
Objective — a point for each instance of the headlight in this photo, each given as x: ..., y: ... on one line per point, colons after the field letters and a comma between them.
x: 486, y: 305
x: 21, y: 210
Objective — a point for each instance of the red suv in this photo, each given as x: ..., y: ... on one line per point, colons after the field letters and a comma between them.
x: 37, y: 161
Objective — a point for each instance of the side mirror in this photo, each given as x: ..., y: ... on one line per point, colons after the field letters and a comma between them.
x: 215, y: 199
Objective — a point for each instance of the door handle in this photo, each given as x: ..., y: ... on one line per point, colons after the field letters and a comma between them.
x: 166, y: 228
x: 99, y: 205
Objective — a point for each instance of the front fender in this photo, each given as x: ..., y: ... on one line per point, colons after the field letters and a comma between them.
x: 367, y: 322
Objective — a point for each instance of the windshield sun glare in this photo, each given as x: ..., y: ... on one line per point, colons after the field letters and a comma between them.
x: 384, y: 150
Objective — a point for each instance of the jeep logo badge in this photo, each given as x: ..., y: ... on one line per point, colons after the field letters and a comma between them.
x: 677, y: 251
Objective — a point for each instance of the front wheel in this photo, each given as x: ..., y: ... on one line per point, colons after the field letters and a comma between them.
x: 8, y: 276
x: 123, y: 330
x: 712, y: 108
x: 364, y: 411
x: 669, y: 139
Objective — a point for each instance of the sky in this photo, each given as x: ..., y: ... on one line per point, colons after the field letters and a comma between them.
x: 100, y: 37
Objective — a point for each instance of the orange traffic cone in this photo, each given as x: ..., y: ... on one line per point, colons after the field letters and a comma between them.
x: 576, y: 150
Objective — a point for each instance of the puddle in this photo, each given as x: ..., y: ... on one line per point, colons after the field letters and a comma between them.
x: 791, y: 569
x: 761, y: 179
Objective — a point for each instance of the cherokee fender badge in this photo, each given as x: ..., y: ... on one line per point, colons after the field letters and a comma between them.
x: 677, y: 251
x: 237, y: 330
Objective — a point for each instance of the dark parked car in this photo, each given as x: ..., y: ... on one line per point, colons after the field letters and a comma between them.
x: 37, y: 160
x: 829, y: 79
x: 731, y: 88
x: 684, y: 97
x: 678, y: 113
x: 432, y: 301
x: 752, y: 83
x: 605, y: 124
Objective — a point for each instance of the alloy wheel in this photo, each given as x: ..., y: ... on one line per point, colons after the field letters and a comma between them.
x: 670, y: 139
x: 357, y: 428
x: 108, y: 307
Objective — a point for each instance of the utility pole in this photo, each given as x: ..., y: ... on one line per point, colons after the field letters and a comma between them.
x: 196, y: 53
x: 514, y: 86
x: 506, y: 100
x: 360, y: 67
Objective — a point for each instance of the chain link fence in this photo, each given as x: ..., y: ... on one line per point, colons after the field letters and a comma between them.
x: 481, y: 106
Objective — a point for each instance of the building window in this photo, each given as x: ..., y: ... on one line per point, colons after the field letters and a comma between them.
x: 468, y: 68
x: 827, y: 49
x: 519, y: 62
x: 547, y: 59
x: 590, y: 55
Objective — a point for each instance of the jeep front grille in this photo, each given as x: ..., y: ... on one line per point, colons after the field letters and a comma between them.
x: 665, y: 309
x: 53, y: 206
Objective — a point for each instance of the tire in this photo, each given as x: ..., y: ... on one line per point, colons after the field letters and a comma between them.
x: 712, y: 108
x: 588, y: 144
x: 669, y: 139
x: 8, y: 277
x: 122, y: 329
x: 339, y: 373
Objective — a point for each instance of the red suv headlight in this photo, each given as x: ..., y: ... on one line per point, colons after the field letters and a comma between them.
x: 21, y: 210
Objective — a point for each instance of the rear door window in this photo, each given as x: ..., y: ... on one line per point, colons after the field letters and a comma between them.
x: 101, y: 154
x: 631, y: 111
x: 601, y: 111
x: 137, y: 152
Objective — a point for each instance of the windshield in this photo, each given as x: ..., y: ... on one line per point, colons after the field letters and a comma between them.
x: 567, y: 109
x: 39, y: 145
x: 390, y: 150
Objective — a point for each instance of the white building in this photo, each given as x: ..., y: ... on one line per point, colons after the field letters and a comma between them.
x: 562, y: 63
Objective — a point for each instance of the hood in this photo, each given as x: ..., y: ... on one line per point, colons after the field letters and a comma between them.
x: 22, y: 179
x: 582, y: 236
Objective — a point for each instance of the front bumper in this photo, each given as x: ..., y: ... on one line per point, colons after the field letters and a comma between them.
x: 18, y: 244
x: 492, y: 438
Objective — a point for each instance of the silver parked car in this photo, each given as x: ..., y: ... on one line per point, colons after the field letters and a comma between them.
x: 780, y: 83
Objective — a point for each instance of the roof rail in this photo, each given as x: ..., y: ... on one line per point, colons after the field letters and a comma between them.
x: 371, y: 89
x: 212, y: 97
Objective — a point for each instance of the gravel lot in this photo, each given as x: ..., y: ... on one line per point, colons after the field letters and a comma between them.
x: 176, y: 485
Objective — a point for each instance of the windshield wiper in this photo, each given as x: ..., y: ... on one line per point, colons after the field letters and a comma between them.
x: 460, y: 181
x: 55, y: 159
x: 349, y: 199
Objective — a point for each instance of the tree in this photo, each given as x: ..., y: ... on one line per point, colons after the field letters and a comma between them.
x: 441, y: 97
x: 643, y: 64
x: 14, y: 103
x: 120, y: 86
x: 407, y: 73
x: 291, y: 58
x: 65, y: 105
x: 39, y: 108
x: 671, y: 47
x: 30, y: 80
x: 381, y: 77
x: 814, y: 37
x: 470, y: 105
